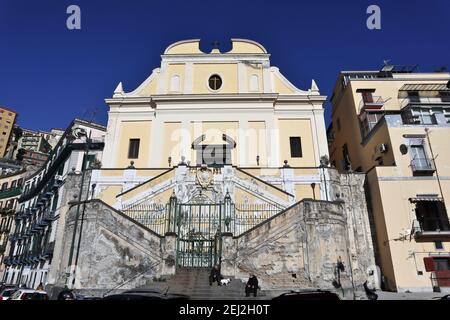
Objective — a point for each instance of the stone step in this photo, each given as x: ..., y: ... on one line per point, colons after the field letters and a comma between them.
x: 194, y: 282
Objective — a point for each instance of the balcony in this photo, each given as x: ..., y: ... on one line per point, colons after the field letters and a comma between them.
x: 422, y: 165
x: 8, y: 193
x: 417, y: 101
x: 376, y: 103
x: 48, y: 250
x: 432, y: 228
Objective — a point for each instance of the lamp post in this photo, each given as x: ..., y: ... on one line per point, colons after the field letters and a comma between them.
x: 77, y: 216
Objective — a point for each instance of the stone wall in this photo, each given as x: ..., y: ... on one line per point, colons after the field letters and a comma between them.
x: 114, y: 250
x: 299, y: 249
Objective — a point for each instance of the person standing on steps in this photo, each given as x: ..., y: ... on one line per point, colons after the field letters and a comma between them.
x: 215, y: 275
x: 252, y: 286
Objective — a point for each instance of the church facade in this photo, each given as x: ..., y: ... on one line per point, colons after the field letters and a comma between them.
x: 216, y: 158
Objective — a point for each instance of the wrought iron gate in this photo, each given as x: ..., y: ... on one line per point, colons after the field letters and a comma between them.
x: 199, y: 228
x: 199, y: 225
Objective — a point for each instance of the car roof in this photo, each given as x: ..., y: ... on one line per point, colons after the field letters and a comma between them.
x: 32, y: 291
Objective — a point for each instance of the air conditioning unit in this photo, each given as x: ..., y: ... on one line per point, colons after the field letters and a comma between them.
x: 383, y: 148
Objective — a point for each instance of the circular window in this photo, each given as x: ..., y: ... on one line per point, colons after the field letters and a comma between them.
x: 215, y: 82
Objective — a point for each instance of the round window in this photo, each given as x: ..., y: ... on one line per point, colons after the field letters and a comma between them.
x: 215, y: 82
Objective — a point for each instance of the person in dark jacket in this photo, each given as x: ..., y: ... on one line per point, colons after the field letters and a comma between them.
x: 371, y: 295
x: 252, y: 286
x: 215, y: 275
x: 66, y: 294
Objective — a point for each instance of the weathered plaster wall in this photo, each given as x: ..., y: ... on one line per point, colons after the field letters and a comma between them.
x: 299, y: 248
x: 114, y: 249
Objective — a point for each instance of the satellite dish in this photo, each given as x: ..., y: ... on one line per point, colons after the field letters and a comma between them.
x: 403, y: 149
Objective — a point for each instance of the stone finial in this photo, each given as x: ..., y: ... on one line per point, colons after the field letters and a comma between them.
x: 119, y: 91
x: 286, y: 165
x: 314, y: 88
x: 131, y: 166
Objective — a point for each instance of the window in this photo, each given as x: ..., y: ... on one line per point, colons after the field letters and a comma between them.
x: 133, y: 149
x: 175, y: 83
x: 215, y: 82
x: 432, y: 216
x: 441, y: 263
x: 254, y: 83
x: 13, y: 184
x: 418, y: 116
x: 4, y: 186
x: 296, y: 147
x: 338, y: 122
x: 346, y: 165
x: 447, y: 115
x: 370, y: 120
x: 20, y: 182
x: 445, y: 96
x: 438, y: 245
x: 419, y: 159
x: 413, y: 96
x: 367, y: 96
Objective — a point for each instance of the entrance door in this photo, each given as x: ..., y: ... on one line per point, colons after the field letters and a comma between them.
x: 198, y: 228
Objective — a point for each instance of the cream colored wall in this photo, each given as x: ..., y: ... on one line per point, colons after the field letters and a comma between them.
x: 172, y: 143
x: 349, y: 131
x: 439, y: 137
x: 279, y: 86
x: 254, y: 69
x: 303, y: 191
x: 256, y: 143
x: 176, y: 69
x: 185, y: 48
x: 108, y: 194
x: 407, y: 255
x: 245, y: 47
x: 297, y: 128
x: 134, y: 130
x: 380, y: 222
x: 227, y: 71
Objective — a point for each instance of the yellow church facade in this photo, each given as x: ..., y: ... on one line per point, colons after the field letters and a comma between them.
x: 216, y: 109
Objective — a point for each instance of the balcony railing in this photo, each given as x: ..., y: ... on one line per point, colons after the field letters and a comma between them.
x: 422, y: 165
x: 432, y: 227
x: 11, y: 192
x: 376, y: 103
x: 409, y: 101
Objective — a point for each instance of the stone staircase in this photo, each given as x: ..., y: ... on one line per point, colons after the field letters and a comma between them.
x: 194, y: 283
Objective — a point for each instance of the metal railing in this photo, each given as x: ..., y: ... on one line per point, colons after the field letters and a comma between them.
x: 248, y: 216
x: 435, y: 225
x: 235, y: 218
x: 408, y: 101
x: 376, y: 103
x: 422, y: 165
x: 152, y: 216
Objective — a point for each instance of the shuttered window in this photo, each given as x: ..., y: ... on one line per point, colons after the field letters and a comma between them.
x: 296, y: 147
x: 133, y: 149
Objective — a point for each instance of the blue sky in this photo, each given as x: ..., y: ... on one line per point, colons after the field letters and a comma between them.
x: 50, y: 74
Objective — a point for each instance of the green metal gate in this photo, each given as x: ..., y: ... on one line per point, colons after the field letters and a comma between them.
x: 199, y: 234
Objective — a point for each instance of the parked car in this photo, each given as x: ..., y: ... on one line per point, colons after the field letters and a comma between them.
x: 29, y: 294
x: 446, y: 297
x: 7, y: 291
x: 308, y: 295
